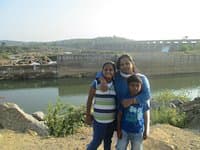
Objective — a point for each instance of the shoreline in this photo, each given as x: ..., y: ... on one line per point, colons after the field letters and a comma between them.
x: 92, y: 75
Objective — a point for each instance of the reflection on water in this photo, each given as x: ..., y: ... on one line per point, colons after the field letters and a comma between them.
x: 35, y: 95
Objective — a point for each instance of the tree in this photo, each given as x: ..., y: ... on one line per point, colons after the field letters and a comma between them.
x: 3, y: 44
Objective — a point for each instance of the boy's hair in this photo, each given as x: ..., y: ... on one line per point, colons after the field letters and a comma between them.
x: 134, y: 78
x: 111, y: 63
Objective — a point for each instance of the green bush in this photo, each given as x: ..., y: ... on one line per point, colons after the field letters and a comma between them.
x: 168, y: 95
x: 185, y: 47
x: 165, y: 114
x: 63, y: 119
x: 168, y: 115
x: 4, y: 56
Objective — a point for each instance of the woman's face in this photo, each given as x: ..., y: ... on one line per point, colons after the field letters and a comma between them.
x: 126, y: 65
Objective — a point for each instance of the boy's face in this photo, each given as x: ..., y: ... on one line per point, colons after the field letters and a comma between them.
x: 134, y: 88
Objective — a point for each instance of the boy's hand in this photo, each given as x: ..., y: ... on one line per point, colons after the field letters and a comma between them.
x: 119, y: 133
x: 103, y: 85
x: 88, y: 119
x: 145, y: 136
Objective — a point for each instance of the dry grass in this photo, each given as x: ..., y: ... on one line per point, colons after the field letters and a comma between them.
x: 162, y: 137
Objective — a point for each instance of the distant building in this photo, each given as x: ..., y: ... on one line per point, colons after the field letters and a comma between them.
x: 68, y: 53
x: 165, y: 49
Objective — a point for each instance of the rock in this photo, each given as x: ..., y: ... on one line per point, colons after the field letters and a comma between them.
x: 14, y: 118
x: 152, y: 144
x: 31, y: 132
x: 154, y: 104
x: 39, y: 115
x: 177, y: 102
x: 192, y: 110
x: 172, y: 105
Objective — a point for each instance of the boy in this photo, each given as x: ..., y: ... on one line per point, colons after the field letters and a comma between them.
x: 133, y: 121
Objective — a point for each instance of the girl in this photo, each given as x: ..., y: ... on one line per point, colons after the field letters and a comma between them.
x: 104, y: 109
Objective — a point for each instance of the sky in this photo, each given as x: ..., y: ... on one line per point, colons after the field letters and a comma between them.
x: 51, y: 20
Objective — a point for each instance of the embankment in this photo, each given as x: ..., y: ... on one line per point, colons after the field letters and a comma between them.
x: 84, y: 65
x: 28, y: 72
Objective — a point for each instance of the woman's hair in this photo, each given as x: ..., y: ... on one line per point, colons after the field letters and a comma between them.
x: 110, y: 63
x: 129, y: 58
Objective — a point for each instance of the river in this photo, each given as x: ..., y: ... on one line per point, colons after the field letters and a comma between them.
x: 35, y: 95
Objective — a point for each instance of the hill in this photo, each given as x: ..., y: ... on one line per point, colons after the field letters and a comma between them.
x: 110, y: 43
x: 100, y: 43
x: 162, y: 137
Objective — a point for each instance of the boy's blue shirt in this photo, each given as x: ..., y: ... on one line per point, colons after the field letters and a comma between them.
x: 133, y: 117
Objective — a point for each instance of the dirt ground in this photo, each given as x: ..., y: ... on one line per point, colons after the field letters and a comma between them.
x: 162, y: 137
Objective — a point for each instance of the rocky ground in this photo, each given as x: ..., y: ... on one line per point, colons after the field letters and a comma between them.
x: 162, y: 137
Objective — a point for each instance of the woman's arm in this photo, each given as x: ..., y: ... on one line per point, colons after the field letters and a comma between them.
x: 142, y: 97
x: 91, y: 94
x: 103, y: 83
x: 145, y: 93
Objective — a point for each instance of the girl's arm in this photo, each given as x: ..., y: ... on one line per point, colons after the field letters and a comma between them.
x: 146, y: 124
x: 89, y: 105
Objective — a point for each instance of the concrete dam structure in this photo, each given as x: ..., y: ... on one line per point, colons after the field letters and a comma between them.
x: 149, y: 63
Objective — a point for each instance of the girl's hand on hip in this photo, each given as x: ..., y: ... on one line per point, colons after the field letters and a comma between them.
x: 88, y: 119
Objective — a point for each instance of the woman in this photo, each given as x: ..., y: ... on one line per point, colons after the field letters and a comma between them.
x: 126, y: 67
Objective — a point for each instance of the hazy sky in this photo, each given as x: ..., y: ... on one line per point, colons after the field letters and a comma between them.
x: 48, y: 20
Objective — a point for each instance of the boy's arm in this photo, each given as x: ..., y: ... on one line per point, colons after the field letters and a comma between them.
x: 89, y: 105
x: 146, y: 124
x: 119, y: 118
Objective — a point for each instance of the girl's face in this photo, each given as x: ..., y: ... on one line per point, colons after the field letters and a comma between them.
x: 126, y: 65
x: 108, y: 71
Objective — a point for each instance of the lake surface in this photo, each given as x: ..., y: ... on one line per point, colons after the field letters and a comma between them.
x: 35, y: 95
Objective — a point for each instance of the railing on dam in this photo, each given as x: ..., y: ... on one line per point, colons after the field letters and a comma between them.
x: 148, y: 63
x: 84, y: 60
x: 167, y: 63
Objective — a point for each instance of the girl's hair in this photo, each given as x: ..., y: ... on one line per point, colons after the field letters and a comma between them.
x: 110, y: 63
x: 129, y: 58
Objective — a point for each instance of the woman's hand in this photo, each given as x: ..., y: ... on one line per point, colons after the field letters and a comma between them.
x: 88, y: 119
x: 126, y: 103
x: 103, y: 84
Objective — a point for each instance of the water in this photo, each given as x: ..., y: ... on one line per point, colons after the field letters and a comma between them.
x: 35, y: 95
